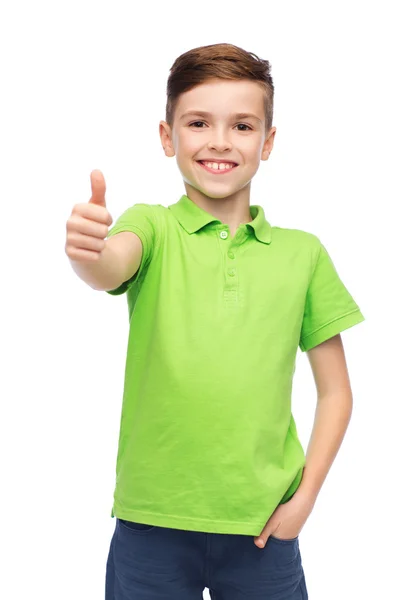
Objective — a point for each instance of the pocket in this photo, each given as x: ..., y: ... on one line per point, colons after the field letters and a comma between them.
x: 286, y: 556
x: 136, y: 527
x: 282, y: 540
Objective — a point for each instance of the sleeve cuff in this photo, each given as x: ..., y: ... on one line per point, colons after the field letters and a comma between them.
x: 141, y: 234
x: 331, y: 329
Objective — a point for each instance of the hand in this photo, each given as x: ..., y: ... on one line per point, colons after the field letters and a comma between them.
x: 89, y: 223
x: 287, y: 520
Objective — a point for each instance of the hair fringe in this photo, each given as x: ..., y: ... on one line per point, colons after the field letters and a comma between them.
x: 222, y: 61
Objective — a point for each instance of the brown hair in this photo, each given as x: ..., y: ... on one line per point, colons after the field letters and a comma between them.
x: 223, y: 61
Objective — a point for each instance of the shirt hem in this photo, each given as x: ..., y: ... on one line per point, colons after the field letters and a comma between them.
x: 202, y: 525
x: 189, y: 523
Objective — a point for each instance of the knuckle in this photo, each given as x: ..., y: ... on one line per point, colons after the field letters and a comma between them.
x: 70, y: 251
x: 72, y: 224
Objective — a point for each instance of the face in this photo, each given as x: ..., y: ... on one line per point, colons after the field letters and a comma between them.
x: 219, y: 134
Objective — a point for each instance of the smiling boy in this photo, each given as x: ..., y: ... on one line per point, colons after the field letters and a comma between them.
x: 206, y: 129
x: 212, y: 484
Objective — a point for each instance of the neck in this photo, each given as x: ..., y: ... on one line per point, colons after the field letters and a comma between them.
x: 231, y: 210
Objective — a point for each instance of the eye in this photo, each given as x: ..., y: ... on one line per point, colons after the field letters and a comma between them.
x: 244, y: 125
x: 191, y: 124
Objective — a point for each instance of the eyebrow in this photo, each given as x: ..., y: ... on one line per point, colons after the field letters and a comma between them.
x: 202, y: 113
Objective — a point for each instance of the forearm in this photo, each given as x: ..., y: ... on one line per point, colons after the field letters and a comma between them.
x: 103, y: 274
x: 332, y: 418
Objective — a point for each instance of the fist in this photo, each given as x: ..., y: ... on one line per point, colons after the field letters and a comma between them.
x: 89, y: 223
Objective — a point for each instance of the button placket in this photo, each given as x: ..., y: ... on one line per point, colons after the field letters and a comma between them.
x: 230, y: 293
x: 231, y: 253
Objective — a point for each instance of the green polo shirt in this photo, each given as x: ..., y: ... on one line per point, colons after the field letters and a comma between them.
x: 207, y: 437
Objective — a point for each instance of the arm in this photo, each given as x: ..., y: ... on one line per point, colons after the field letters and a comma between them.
x: 119, y: 260
x: 334, y: 408
x: 333, y: 412
x: 329, y: 309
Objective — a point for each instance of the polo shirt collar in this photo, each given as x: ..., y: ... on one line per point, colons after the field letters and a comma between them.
x: 192, y: 218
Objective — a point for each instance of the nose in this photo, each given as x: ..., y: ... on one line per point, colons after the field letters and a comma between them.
x: 219, y: 142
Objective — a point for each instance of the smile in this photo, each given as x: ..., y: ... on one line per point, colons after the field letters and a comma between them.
x: 217, y: 171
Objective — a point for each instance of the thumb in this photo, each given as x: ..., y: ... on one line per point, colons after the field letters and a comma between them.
x: 98, y: 188
x: 260, y: 541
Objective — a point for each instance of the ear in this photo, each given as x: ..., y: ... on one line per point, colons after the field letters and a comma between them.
x: 269, y: 144
x: 165, y: 134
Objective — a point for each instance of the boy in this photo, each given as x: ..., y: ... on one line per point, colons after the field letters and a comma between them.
x: 212, y: 484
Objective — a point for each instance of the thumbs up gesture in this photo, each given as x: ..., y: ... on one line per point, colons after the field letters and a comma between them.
x: 88, y: 224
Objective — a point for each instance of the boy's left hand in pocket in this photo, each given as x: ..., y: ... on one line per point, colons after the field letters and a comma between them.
x: 287, y: 521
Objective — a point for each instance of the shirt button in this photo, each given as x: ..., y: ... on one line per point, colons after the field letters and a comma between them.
x: 230, y: 255
x: 232, y: 272
x: 223, y: 234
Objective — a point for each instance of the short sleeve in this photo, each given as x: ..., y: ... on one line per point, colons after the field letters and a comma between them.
x: 329, y: 307
x: 141, y: 220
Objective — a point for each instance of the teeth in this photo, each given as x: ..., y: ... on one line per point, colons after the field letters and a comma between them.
x: 220, y: 166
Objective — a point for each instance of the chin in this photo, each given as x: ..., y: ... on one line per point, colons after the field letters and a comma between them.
x: 215, y: 193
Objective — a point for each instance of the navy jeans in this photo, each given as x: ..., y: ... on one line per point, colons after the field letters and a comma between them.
x: 148, y: 562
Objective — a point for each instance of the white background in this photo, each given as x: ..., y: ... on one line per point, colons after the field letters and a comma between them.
x: 83, y: 87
